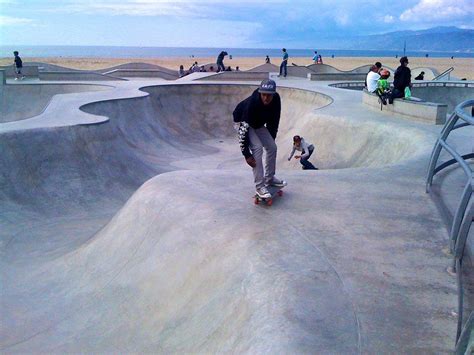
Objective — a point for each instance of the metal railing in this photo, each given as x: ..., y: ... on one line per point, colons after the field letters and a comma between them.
x: 446, y: 72
x: 464, y: 215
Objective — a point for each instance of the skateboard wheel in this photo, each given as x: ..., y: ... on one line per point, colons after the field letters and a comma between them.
x: 256, y: 201
x: 280, y: 193
x: 269, y: 202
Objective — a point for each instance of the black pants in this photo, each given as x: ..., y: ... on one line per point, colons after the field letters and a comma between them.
x: 306, y: 163
x: 283, y: 69
x: 396, y: 94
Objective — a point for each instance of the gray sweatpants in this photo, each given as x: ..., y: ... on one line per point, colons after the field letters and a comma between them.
x: 261, y: 139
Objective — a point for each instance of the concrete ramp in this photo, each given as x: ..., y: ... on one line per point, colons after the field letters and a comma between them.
x: 107, y: 247
x: 147, y: 286
x: 19, y: 102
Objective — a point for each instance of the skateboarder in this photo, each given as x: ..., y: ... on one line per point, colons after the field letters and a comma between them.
x: 220, y: 61
x: 18, y: 64
x: 306, y: 150
x: 259, y: 118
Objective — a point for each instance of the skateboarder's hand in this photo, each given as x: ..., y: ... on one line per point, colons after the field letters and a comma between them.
x: 297, y: 156
x: 251, y: 161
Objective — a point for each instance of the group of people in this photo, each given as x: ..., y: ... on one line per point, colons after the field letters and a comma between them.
x: 317, y: 58
x: 377, y: 82
x: 196, y: 68
x: 257, y: 119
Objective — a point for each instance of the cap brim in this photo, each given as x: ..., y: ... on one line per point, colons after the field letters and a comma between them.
x: 266, y: 92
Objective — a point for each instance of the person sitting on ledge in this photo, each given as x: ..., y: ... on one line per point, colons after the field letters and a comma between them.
x: 372, y: 77
x: 306, y: 149
x: 378, y: 65
x: 421, y: 76
x: 401, y: 80
x: 181, y: 71
x: 383, y: 86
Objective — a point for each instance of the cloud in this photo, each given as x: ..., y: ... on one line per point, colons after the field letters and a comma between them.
x: 388, y: 19
x: 13, y: 21
x: 342, y: 19
x: 177, y: 8
x: 439, y: 10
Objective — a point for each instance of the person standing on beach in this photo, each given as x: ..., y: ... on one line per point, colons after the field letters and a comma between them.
x: 401, y: 80
x: 267, y: 60
x: 284, y: 64
x: 18, y: 64
x: 315, y: 57
x: 220, y: 61
x: 258, y: 118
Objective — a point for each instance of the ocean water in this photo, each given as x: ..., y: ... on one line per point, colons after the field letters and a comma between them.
x: 157, y: 52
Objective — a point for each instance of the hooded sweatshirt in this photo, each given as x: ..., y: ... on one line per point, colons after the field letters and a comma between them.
x: 251, y: 112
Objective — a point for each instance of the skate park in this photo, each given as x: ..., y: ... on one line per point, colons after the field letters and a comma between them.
x: 128, y: 225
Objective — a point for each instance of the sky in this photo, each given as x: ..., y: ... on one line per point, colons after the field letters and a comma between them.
x: 211, y: 23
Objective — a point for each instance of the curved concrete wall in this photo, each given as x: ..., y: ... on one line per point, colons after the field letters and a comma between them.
x: 19, y: 102
x: 449, y: 93
x: 144, y: 134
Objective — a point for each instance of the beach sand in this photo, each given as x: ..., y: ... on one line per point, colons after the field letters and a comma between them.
x: 463, y: 67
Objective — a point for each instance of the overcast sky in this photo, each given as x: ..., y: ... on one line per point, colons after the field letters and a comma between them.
x: 211, y: 23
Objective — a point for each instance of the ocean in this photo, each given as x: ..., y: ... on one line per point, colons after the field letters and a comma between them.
x: 157, y: 52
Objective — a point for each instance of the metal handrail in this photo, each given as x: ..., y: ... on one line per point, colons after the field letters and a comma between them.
x: 447, y: 71
x: 464, y: 215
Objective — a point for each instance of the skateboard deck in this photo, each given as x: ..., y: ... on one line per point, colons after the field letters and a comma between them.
x: 273, y: 190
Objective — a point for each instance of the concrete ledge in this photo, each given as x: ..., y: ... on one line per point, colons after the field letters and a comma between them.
x: 141, y: 73
x: 353, y: 85
x: 299, y: 71
x: 31, y: 71
x: 237, y: 75
x: 336, y: 76
x: 420, y: 111
x: 3, y: 77
x: 72, y: 76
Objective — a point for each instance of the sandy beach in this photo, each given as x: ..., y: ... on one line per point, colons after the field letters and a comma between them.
x: 463, y: 67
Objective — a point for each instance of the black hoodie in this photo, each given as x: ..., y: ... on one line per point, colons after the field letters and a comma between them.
x: 251, y: 112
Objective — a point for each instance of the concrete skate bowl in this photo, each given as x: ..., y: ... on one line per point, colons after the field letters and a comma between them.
x: 19, y: 102
x: 198, y: 274
x: 146, y: 135
x: 193, y: 113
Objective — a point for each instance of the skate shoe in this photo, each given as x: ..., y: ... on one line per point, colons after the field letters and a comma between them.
x: 263, y: 192
x: 277, y: 182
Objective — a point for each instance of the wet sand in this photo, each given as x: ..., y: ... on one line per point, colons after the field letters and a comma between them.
x: 463, y: 67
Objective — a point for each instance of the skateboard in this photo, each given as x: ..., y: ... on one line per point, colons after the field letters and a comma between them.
x: 273, y: 190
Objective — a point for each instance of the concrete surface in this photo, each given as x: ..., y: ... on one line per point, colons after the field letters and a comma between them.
x: 451, y: 93
x: 28, y: 70
x: 142, y: 73
x: 3, y: 77
x: 236, y: 76
x: 336, y: 76
x: 22, y: 101
x: 75, y: 76
x: 128, y: 226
